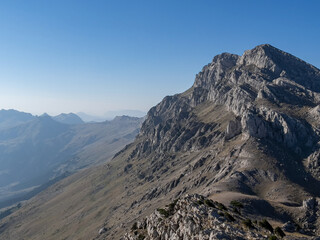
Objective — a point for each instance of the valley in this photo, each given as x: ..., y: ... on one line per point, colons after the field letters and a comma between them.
x: 37, y: 151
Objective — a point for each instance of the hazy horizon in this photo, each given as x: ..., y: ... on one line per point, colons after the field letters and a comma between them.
x: 102, y: 116
x: 98, y: 56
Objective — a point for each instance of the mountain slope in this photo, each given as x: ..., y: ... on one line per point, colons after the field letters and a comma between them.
x: 247, y: 128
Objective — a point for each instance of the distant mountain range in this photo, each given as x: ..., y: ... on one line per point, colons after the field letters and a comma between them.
x: 110, y: 115
x: 34, y: 150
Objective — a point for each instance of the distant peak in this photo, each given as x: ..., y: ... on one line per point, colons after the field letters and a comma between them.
x: 266, y: 56
x: 265, y: 49
x: 68, y: 118
x: 225, y: 55
x: 225, y: 58
x: 266, y: 46
x: 44, y: 115
x: 67, y: 115
x: 223, y: 61
x: 123, y: 117
x: 13, y: 111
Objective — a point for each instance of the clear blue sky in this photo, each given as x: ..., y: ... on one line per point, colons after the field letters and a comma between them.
x: 94, y: 56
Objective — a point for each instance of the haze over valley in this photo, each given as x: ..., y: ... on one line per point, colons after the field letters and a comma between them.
x: 37, y: 149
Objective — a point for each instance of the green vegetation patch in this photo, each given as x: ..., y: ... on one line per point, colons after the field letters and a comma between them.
x: 265, y: 224
x: 272, y: 237
x: 209, y: 203
x: 248, y: 223
x: 236, y: 204
x: 221, y: 213
x: 163, y: 212
x: 278, y: 231
x: 236, y: 210
x: 141, y: 237
x: 221, y: 206
x: 171, y: 206
x: 134, y: 226
x: 200, y: 202
x: 229, y: 217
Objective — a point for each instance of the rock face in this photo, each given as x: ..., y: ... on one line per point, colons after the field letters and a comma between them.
x: 259, y: 88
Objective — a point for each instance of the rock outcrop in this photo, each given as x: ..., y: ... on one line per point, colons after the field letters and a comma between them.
x: 196, y: 217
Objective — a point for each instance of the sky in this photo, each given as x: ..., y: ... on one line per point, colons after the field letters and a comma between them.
x: 96, y: 56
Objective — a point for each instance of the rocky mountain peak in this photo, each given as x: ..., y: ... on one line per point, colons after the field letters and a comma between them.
x: 278, y: 63
x: 263, y: 72
x: 263, y: 57
x: 225, y: 60
x: 263, y: 94
x: 212, y: 72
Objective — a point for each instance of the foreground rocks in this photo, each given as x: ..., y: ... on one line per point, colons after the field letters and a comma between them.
x: 199, y: 218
